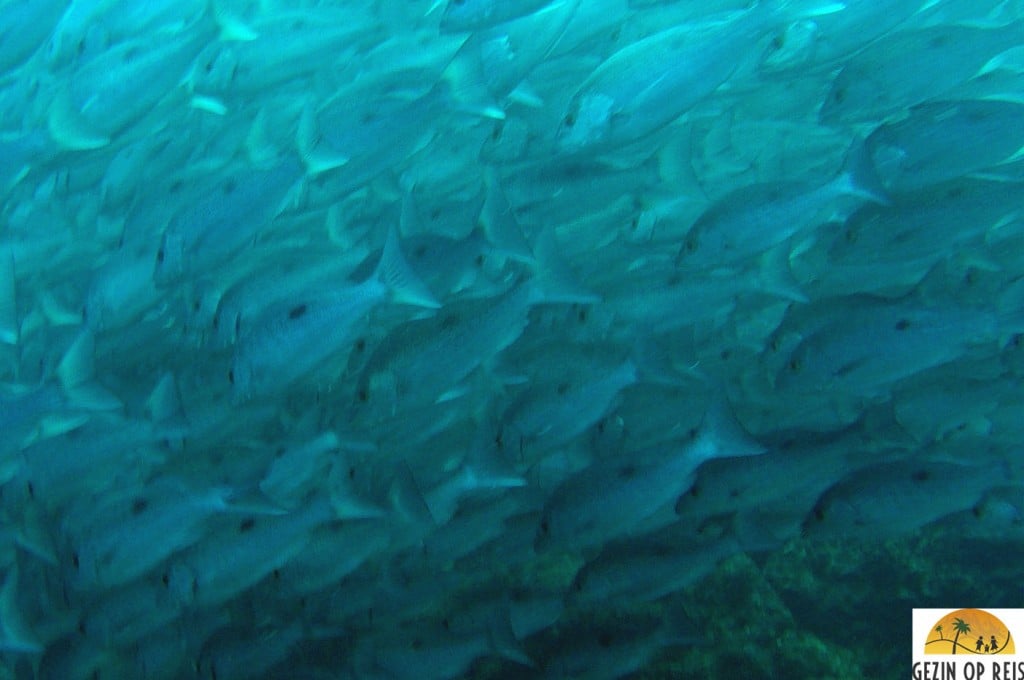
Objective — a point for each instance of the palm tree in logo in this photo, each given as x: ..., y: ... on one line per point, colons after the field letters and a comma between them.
x: 938, y: 629
x: 960, y: 626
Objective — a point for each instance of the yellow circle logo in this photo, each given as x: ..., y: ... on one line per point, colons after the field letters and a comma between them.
x: 969, y: 631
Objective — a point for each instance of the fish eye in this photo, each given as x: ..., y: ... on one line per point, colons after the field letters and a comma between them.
x: 570, y: 119
x: 794, y: 365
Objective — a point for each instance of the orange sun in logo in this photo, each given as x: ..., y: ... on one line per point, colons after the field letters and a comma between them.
x: 969, y: 631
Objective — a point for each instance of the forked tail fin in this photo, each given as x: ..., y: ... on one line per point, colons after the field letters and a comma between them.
x: 395, y: 273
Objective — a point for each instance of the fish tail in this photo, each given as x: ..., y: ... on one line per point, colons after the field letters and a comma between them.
x: 407, y: 500
x: 500, y: 226
x: 859, y: 176
x: 794, y: 10
x: 315, y: 155
x: 68, y: 128
x: 347, y: 502
x: 17, y: 636
x: 8, y: 301
x: 232, y: 27
x: 777, y: 277
x: 77, y: 374
x: 724, y: 433
x: 395, y: 273
x: 1010, y: 312
x: 553, y: 281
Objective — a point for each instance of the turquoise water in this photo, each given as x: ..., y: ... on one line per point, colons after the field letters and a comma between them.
x: 555, y: 339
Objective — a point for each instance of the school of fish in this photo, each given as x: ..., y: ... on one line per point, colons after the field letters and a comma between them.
x: 380, y: 338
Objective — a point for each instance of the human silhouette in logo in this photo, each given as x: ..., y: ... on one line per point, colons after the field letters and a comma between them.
x: 993, y: 644
x: 986, y: 649
x: 981, y: 642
